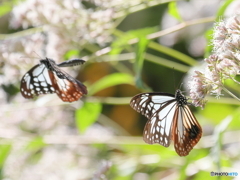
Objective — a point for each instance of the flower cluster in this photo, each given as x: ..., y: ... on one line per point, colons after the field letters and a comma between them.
x: 223, y: 64
x: 54, y: 28
x: 66, y: 24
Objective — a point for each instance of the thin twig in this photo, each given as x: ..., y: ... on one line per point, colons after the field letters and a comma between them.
x: 26, y: 32
x: 230, y: 93
x: 180, y: 26
x: 156, y: 35
x: 104, y: 100
x: 206, y: 141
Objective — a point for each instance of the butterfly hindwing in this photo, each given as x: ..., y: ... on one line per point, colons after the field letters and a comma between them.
x: 68, y: 89
x: 186, y: 131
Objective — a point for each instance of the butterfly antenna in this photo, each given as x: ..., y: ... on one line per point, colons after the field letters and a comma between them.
x: 182, y: 81
x: 42, y: 35
x: 174, y: 80
x: 37, y: 54
x: 180, y: 87
x: 30, y: 57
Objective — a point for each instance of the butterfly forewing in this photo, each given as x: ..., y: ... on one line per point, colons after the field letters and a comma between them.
x: 157, y: 107
x: 47, y: 77
x: 169, y: 118
x: 148, y: 103
x: 36, y: 81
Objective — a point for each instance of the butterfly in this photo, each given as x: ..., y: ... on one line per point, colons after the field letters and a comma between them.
x: 169, y: 118
x: 46, y: 77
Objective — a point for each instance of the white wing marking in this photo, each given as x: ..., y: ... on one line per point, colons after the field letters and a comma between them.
x: 158, y: 99
x: 38, y: 70
x: 160, y: 123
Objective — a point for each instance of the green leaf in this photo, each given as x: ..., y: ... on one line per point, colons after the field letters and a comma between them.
x: 122, y: 42
x: 173, y: 11
x: 234, y: 125
x: 5, y: 8
x: 140, y: 50
x: 222, y: 110
x: 36, y: 144
x: 209, y: 33
x: 71, y: 53
x: 202, y: 175
x: 218, y: 140
x: 4, y: 152
x: 87, y: 115
x: 222, y: 9
x: 209, y: 47
x: 141, y: 47
x: 124, y: 39
x: 142, y: 33
x: 110, y: 80
x: 172, y: 53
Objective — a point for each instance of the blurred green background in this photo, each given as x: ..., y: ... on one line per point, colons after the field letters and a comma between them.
x: 129, y: 47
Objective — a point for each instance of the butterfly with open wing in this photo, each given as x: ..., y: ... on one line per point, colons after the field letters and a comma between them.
x: 46, y: 77
x: 169, y: 118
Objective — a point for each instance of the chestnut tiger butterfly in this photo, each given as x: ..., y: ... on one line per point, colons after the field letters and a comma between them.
x: 169, y: 118
x: 46, y: 77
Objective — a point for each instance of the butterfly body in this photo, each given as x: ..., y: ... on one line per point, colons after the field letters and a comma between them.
x: 47, y: 77
x: 169, y: 118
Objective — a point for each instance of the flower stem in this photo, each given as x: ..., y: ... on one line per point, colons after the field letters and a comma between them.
x: 230, y: 93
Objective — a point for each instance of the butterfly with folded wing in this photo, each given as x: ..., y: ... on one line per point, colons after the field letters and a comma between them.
x: 46, y: 77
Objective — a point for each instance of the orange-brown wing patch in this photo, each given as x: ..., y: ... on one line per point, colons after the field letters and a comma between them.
x: 67, y: 89
x: 186, y: 131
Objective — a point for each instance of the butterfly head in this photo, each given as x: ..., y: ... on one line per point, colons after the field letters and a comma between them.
x: 182, y: 100
x: 48, y: 63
